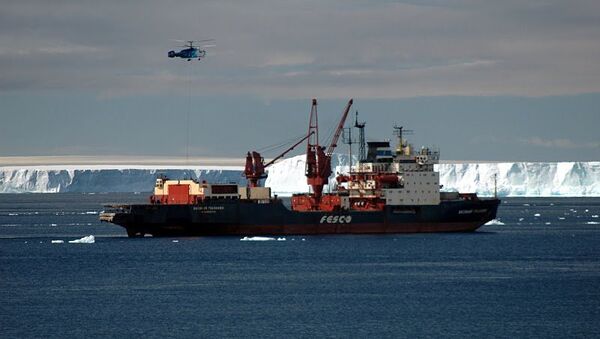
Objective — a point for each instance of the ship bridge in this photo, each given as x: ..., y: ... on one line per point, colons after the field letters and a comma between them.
x: 399, y: 177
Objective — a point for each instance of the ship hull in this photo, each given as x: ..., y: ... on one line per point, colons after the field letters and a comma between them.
x: 243, y: 218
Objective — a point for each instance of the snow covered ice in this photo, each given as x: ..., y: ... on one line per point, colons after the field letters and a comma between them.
x: 287, y: 176
x: 90, y: 179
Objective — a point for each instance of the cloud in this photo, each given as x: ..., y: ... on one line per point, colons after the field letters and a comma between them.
x: 562, y: 143
x: 335, y: 48
x: 288, y: 60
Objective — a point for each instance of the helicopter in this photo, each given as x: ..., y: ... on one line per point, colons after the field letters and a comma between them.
x: 192, y: 52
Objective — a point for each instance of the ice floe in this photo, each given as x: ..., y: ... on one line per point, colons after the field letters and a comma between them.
x: 58, y: 241
x: 593, y: 223
x: 537, y: 215
x: 257, y: 239
x: 85, y: 240
x: 494, y: 222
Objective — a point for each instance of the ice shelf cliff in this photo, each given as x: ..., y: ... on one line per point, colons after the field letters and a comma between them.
x: 287, y: 177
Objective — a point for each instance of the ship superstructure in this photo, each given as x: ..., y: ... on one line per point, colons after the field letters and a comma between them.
x: 387, y: 177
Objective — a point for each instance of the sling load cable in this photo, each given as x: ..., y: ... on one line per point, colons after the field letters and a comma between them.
x: 187, y: 127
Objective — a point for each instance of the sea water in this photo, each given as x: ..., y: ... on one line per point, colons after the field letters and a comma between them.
x: 535, y: 272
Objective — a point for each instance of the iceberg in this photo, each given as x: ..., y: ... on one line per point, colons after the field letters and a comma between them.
x: 98, y: 179
x: 529, y: 179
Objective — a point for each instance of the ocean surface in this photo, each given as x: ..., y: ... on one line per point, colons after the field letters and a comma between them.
x: 536, y: 273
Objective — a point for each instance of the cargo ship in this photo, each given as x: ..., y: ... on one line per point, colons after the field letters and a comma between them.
x: 388, y: 190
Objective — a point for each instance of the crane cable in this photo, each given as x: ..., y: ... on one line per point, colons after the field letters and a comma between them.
x: 279, y: 145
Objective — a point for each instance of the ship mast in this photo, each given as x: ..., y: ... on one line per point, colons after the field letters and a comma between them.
x: 362, y: 152
x: 400, y: 132
x: 347, y: 139
x: 495, y: 186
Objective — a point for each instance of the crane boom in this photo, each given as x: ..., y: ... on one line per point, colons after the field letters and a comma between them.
x: 255, y: 166
x: 339, y: 129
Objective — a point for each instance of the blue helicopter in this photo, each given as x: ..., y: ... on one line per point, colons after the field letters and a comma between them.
x: 192, y: 52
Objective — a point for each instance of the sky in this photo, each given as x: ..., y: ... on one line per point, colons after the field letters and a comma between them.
x: 482, y: 80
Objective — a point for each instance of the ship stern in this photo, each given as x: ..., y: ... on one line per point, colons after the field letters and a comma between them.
x: 121, y: 215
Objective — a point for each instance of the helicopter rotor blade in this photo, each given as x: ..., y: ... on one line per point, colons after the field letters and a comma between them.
x: 199, y: 40
x: 190, y: 43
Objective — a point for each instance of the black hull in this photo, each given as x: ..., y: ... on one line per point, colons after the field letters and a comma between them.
x: 243, y: 218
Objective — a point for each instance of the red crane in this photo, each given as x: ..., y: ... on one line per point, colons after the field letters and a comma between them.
x: 318, y: 161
